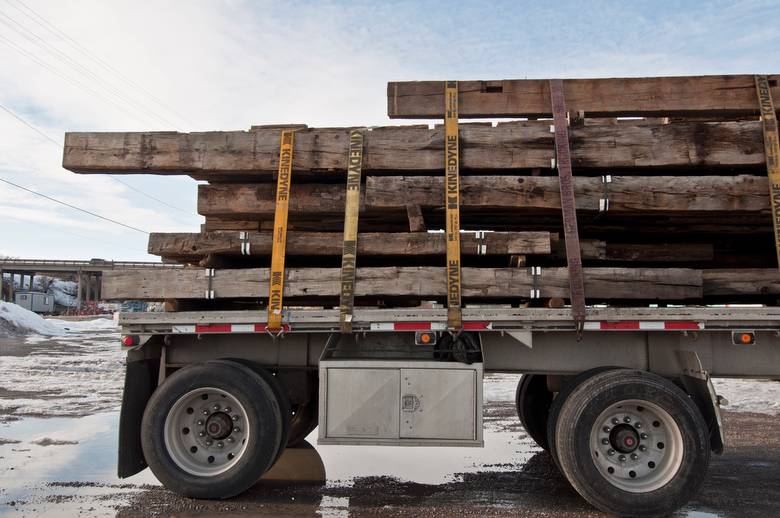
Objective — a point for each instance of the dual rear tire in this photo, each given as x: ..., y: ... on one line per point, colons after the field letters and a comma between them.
x: 630, y: 442
x: 211, y: 430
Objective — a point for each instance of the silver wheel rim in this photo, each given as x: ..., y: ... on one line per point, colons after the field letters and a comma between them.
x: 636, y: 446
x: 206, y: 432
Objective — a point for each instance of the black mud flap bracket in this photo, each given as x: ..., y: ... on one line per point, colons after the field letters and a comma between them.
x: 698, y: 384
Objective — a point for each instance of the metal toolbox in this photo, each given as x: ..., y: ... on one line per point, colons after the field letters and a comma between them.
x: 393, y: 402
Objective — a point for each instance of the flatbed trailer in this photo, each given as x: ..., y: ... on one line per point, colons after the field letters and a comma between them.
x: 625, y: 406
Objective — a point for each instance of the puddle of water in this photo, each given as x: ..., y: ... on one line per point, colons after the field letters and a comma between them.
x: 27, y: 467
x: 426, y: 465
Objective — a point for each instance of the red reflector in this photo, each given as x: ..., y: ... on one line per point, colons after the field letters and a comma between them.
x: 411, y: 326
x: 212, y: 328
x: 681, y: 325
x: 129, y: 340
x: 619, y: 325
x: 475, y: 325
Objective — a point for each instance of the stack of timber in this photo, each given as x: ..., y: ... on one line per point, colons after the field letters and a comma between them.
x: 670, y: 183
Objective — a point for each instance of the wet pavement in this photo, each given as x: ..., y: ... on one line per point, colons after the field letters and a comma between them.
x: 64, y: 465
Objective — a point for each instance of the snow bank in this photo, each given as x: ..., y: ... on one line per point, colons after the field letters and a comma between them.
x: 95, y: 324
x: 64, y: 292
x: 19, y: 320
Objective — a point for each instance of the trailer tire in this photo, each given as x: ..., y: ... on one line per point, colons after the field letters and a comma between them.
x: 239, y: 416
x: 632, y: 443
x: 555, y: 408
x: 533, y: 400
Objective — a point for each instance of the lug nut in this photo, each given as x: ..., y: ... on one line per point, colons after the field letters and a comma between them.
x: 622, y: 458
x: 230, y: 439
x: 220, y: 445
x: 626, y: 419
x: 236, y: 429
x: 634, y: 456
x: 200, y: 422
x: 205, y: 412
x: 605, y: 441
x: 642, y: 448
x: 201, y: 434
x: 228, y: 409
x: 615, y: 420
x: 235, y: 418
x: 643, y: 436
x: 610, y: 452
x: 607, y: 429
x: 209, y: 443
x: 216, y: 407
x: 637, y: 425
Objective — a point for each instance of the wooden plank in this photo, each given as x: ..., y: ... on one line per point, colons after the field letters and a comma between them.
x: 600, y: 284
x: 737, y: 283
x: 196, y: 246
x: 252, y: 155
x: 416, y: 219
x: 637, y: 96
x: 627, y: 194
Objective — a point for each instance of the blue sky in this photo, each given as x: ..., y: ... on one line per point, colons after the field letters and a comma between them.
x: 228, y: 65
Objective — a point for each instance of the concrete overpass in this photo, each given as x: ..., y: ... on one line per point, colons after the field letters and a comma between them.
x: 88, y: 274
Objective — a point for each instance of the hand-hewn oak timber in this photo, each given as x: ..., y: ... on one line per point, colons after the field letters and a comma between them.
x: 637, y: 96
x: 195, y: 246
x: 600, y: 283
x: 254, y: 155
x: 486, y: 194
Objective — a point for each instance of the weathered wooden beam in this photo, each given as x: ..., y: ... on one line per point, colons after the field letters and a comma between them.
x: 626, y: 194
x: 253, y: 155
x: 416, y: 219
x: 637, y: 96
x: 478, y: 283
x: 196, y: 246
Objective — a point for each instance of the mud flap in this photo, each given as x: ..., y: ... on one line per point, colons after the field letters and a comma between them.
x: 698, y: 384
x: 140, y: 382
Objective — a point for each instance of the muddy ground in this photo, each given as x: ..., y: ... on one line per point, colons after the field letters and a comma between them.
x: 58, y: 450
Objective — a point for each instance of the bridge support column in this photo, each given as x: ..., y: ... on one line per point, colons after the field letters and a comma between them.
x: 79, y: 290
x: 2, y: 286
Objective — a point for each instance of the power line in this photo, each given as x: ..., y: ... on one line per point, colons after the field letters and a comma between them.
x: 59, y: 74
x: 43, y: 22
x: 158, y: 200
x: 41, y: 43
x: 66, y: 204
x: 35, y: 129
x: 59, y: 146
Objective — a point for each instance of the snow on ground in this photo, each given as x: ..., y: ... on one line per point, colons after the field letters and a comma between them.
x: 64, y: 292
x: 19, y: 320
x: 79, y: 372
x: 95, y: 324
x: 759, y: 396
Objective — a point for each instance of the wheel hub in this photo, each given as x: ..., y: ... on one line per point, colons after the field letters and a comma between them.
x: 636, y: 445
x: 624, y: 438
x: 219, y: 425
x: 206, y: 431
